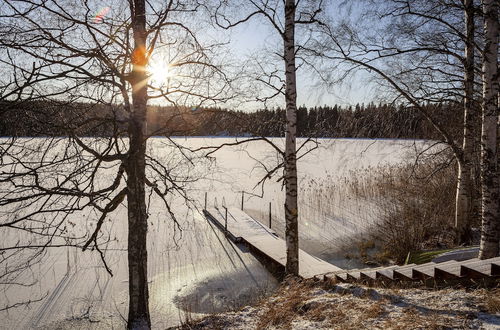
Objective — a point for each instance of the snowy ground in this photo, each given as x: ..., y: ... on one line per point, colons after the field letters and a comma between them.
x: 200, y: 272
x: 344, y: 306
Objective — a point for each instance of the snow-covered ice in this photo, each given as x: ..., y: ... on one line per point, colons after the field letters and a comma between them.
x: 200, y: 272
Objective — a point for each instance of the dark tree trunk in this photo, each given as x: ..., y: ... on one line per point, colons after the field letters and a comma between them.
x: 138, y: 313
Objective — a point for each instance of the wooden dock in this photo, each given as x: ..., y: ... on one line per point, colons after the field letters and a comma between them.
x: 241, y: 228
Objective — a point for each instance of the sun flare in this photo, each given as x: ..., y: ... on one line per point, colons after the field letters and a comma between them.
x: 159, y: 73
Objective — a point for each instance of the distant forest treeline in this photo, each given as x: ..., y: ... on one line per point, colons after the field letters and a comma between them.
x: 360, y: 121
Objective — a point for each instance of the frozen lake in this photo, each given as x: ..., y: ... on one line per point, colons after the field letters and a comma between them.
x: 195, y: 270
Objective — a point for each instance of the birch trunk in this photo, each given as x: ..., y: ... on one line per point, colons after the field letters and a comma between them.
x: 490, y: 212
x: 463, y: 203
x: 138, y: 313
x: 291, y: 207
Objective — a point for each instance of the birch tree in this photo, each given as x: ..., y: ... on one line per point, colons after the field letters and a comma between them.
x: 291, y: 205
x: 490, y: 210
x: 418, y: 53
x: 463, y: 204
x: 78, y: 54
x: 283, y: 17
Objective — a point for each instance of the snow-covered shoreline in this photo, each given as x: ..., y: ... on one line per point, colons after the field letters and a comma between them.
x: 310, y: 305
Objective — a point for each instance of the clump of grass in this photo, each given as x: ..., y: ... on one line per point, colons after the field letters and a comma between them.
x: 421, y: 257
x: 375, y: 311
x: 320, y: 312
x: 186, y: 318
x: 411, y: 318
x: 282, y: 311
x: 363, y: 247
x: 492, y: 301
x: 299, y: 300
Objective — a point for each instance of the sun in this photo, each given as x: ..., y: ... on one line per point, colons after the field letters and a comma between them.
x: 159, y: 73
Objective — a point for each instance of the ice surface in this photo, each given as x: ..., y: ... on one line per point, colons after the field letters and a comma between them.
x: 198, y: 271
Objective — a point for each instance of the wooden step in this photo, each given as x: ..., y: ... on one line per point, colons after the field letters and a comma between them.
x: 348, y: 275
x: 425, y: 272
x: 371, y: 274
x: 365, y: 273
x: 481, y: 269
x: 495, y: 269
x: 406, y: 272
x: 388, y: 273
x: 338, y: 276
x: 354, y: 275
x: 403, y: 274
x: 452, y: 271
x: 341, y: 277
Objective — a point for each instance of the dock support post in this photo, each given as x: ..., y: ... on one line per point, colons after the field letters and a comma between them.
x: 68, y: 267
x: 242, y: 199
x: 225, y: 222
x: 205, y: 200
x: 270, y: 218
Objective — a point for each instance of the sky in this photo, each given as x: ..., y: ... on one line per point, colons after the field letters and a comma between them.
x: 256, y: 35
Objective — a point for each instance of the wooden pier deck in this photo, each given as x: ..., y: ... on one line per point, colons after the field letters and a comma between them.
x: 240, y: 227
x: 243, y: 228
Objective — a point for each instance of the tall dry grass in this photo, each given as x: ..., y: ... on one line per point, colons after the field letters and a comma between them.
x: 414, y: 206
x: 390, y: 209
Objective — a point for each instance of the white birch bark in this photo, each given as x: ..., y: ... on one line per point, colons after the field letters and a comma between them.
x: 463, y: 201
x: 464, y: 183
x: 291, y: 207
x: 490, y: 212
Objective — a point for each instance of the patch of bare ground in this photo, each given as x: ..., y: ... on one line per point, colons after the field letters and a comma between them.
x: 320, y: 305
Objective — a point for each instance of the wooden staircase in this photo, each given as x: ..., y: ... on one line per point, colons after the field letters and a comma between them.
x: 445, y: 271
